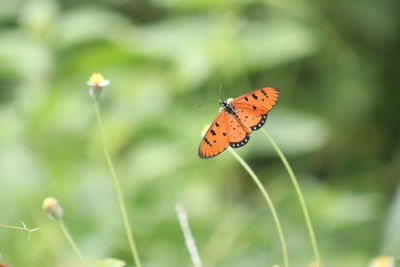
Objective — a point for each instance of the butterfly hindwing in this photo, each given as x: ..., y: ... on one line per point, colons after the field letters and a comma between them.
x: 216, y: 139
x: 237, y: 134
x: 257, y: 102
x: 255, y: 122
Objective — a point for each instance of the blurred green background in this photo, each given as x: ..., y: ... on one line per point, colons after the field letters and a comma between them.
x: 338, y: 122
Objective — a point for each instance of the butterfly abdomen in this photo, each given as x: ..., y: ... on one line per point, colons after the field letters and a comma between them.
x: 246, y: 127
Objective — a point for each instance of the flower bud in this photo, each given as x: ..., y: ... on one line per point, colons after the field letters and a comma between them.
x: 52, y: 207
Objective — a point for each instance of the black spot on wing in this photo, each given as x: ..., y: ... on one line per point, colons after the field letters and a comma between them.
x: 207, y: 141
x: 264, y: 93
x: 213, y: 132
x: 254, y: 96
x: 240, y: 143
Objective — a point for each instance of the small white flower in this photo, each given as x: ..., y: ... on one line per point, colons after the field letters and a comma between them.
x: 97, y: 80
x: 96, y: 83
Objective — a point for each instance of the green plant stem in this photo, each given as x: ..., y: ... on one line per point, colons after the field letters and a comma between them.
x: 121, y: 202
x: 17, y: 227
x: 269, y: 202
x: 23, y: 228
x: 71, y: 241
x: 300, y: 195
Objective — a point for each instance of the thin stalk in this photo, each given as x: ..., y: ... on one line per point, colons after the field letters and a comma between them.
x: 23, y: 228
x: 118, y: 190
x: 299, y: 194
x: 269, y: 202
x: 71, y: 241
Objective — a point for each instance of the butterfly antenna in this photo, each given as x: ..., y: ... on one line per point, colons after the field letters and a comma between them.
x: 202, y: 105
x: 220, y: 97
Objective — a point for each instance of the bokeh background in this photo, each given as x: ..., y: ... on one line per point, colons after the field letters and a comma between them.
x: 338, y: 122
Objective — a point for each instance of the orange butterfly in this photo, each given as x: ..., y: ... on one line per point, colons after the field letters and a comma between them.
x: 237, y: 119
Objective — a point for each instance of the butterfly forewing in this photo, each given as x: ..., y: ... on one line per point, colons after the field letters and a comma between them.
x: 257, y: 102
x: 215, y: 141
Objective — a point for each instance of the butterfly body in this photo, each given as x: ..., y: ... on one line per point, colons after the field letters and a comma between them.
x: 227, y: 106
x: 237, y: 119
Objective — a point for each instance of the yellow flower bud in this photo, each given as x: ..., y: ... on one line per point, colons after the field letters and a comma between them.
x: 52, y: 207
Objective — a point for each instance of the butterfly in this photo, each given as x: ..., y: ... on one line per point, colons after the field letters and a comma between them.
x: 237, y: 119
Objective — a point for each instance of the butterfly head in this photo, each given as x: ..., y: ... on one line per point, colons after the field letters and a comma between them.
x: 226, y: 104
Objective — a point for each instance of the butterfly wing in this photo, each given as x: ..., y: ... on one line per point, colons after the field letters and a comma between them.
x: 237, y: 134
x: 215, y: 141
x: 252, y: 108
x: 259, y: 101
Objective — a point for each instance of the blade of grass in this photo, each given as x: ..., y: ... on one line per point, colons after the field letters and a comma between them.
x: 299, y: 194
x: 269, y: 202
x: 188, y: 236
x: 118, y: 190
